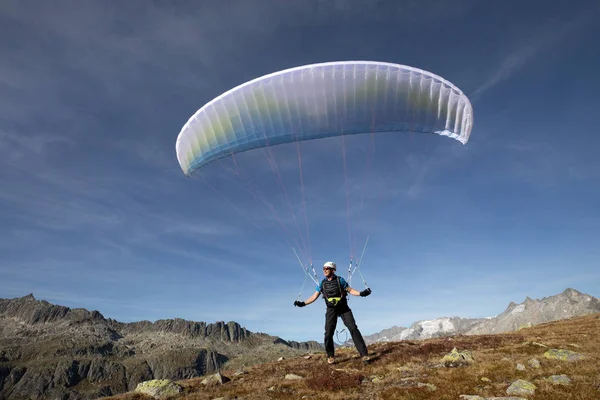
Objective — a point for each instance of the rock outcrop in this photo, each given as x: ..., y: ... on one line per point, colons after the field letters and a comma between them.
x: 227, y: 332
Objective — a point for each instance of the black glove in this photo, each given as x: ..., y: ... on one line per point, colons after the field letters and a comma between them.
x: 299, y: 303
x: 365, y: 292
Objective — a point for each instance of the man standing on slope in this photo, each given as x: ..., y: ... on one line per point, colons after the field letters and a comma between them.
x: 334, y: 289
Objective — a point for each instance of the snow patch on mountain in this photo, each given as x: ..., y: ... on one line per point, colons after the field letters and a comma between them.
x: 518, y: 309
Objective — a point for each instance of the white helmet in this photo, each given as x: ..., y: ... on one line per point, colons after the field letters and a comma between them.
x: 330, y: 264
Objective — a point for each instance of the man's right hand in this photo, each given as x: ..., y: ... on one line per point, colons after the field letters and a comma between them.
x: 299, y: 303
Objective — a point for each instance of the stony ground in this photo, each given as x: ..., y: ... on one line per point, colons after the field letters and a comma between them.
x: 558, y: 360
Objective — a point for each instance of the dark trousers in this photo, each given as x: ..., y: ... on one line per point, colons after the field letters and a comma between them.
x: 345, y: 313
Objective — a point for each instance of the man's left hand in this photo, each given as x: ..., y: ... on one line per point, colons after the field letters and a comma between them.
x: 365, y: 292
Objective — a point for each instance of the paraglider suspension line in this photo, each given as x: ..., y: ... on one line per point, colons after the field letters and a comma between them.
x: 337, y: 336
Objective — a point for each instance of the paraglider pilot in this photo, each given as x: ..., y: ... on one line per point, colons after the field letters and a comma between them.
x: 335, y: 289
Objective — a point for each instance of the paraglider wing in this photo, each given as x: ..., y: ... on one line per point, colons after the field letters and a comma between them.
x: 323, y: 100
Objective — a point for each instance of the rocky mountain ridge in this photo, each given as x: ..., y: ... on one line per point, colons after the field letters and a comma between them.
x: 49, y: 350
x: 52, y: 351
x: 567, y: 304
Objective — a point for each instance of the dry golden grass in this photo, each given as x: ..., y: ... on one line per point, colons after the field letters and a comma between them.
x: 402, y: 370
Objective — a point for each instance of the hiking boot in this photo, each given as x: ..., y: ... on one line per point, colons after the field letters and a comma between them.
x: 330, y: 360
x: 366, y: 359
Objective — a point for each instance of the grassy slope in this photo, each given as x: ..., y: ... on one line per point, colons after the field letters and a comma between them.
x: 399, y: 367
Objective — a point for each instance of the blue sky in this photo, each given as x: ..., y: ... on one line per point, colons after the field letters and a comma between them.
x: 96, y: 213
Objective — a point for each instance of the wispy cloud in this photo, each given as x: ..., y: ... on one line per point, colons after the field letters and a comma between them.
x: 551, y: 35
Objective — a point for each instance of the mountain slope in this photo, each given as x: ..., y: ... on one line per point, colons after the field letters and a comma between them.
x: 48, y: 350
x: 570, y: 303
x: 498, y: 365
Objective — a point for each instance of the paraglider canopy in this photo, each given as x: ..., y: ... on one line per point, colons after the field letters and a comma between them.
x: 323, y: 100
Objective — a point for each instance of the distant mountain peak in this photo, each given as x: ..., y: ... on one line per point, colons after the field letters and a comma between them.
x: 572, y: 293
x: 511, y: 305
x: 567, y: 304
